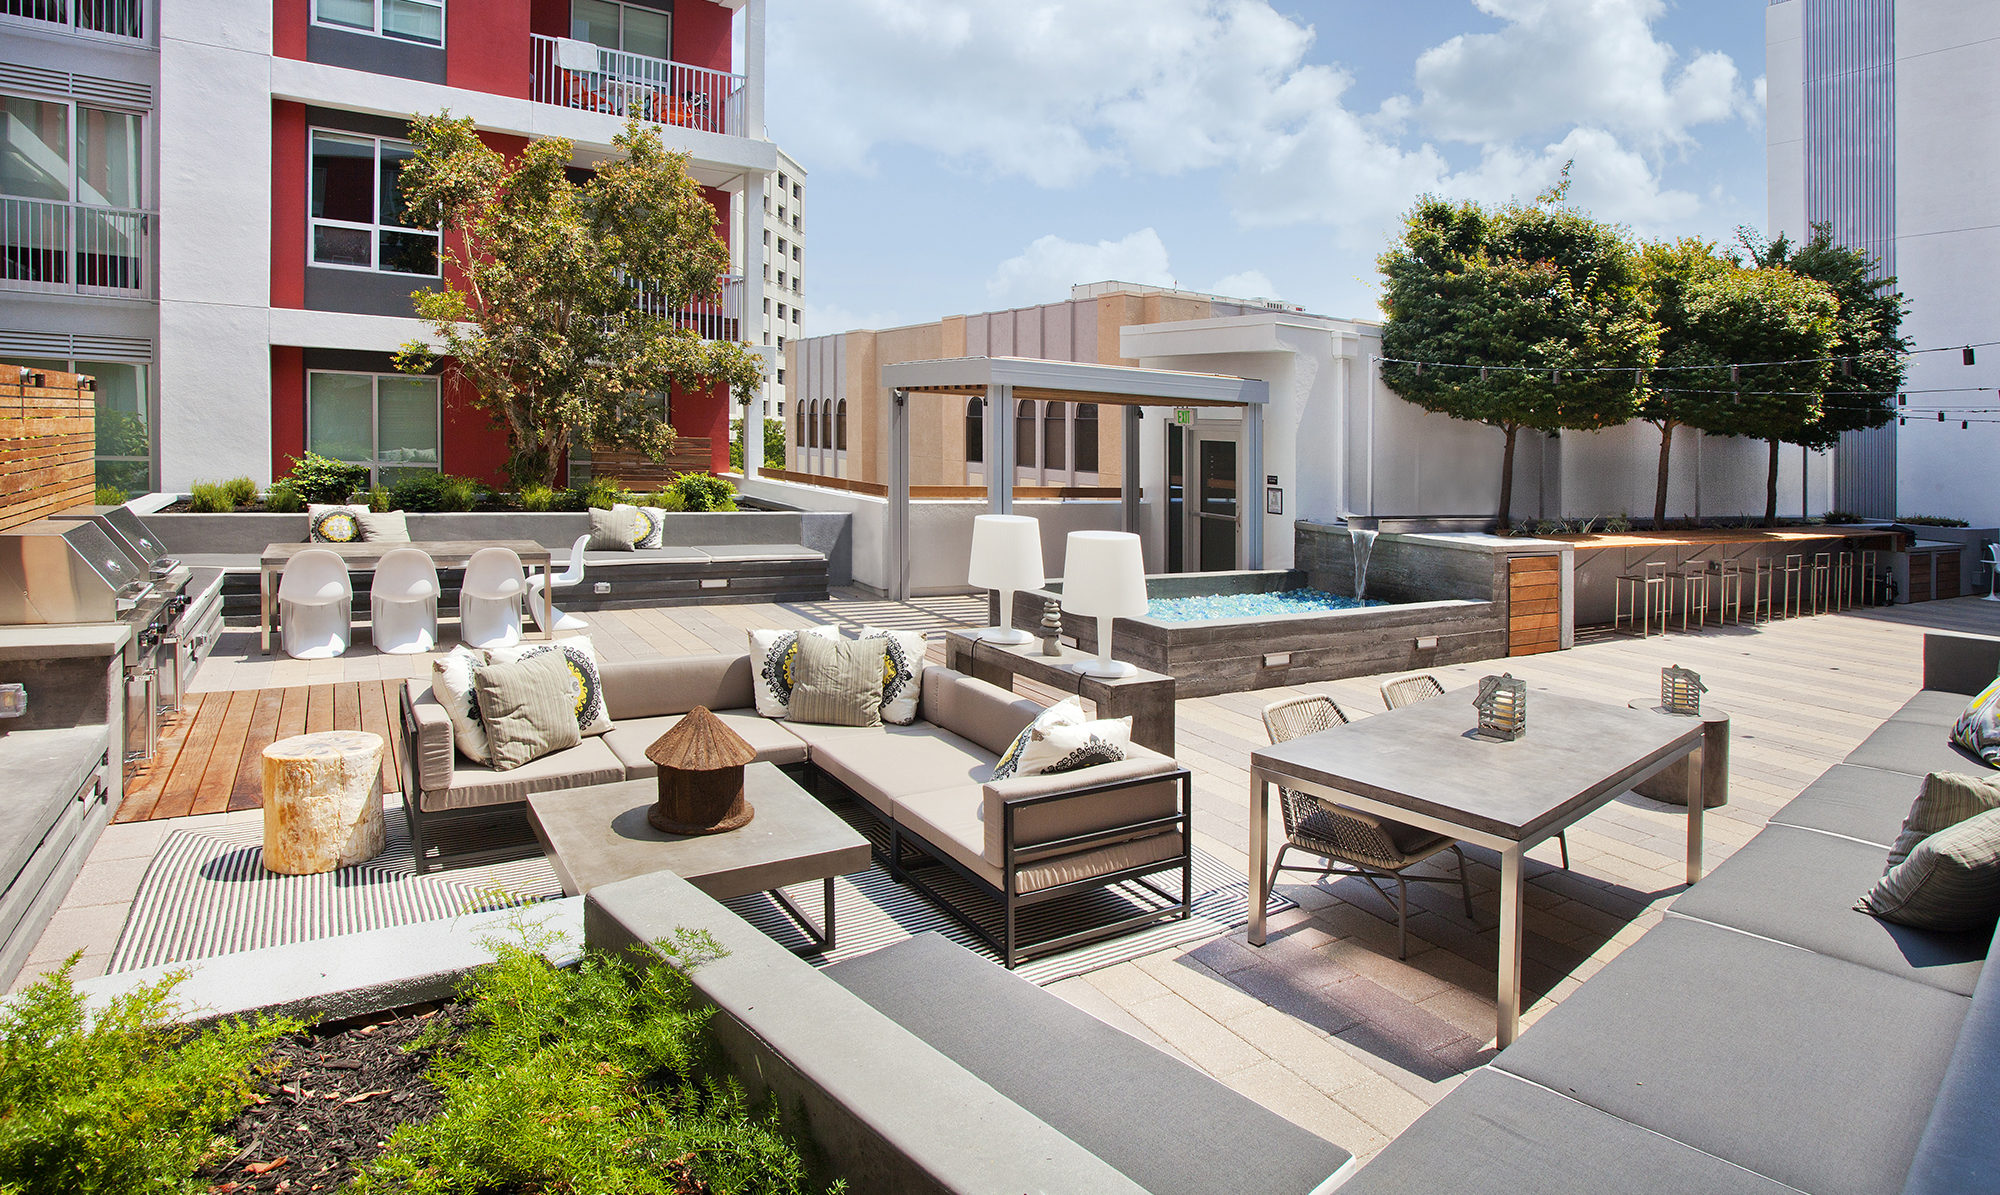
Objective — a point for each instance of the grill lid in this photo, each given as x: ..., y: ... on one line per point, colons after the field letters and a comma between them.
x: 127, y: 529
x: 64, y: 570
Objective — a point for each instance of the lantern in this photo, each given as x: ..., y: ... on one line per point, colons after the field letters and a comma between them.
x: 701, y: 777
x: 1681, y: 690
x: 1503, y: 707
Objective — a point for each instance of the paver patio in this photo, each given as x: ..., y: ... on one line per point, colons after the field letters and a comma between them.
x: 1323, y: 1025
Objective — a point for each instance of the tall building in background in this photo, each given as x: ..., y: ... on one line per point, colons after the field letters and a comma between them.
x: 783, y: 291
x: 198, y: 205
x: 1884, y: 125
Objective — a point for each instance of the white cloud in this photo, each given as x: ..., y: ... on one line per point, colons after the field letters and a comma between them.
x: 1249, y: 284
x: 1045, y: 271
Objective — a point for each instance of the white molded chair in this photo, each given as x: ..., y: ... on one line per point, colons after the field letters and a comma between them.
x: 403, y: 602
x: 1992, y: 571
x: 573, y: 575
x: 489, y: 599
x: 314, y: 600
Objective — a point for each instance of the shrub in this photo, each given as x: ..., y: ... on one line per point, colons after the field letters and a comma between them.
x: 600, y: 492
x: 209, y: 498
x: 1931, y: 521
x: 1617, y: 524
x: 536, y: 497
x: 241, y: 491
x: 703, y: 492
x: 111, y: 495
x: 119, y: 1099
x: 323, y: 479
x: 283, y: 498
x: 430, y: 492
x: 599, y: 1077
x: 378, y: 498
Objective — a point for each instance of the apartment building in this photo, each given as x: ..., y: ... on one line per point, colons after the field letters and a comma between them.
x: 1884, y: 125
x: 784, y: 288
x: 198, y: 205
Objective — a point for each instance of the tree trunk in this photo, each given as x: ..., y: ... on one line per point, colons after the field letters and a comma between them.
x: 1771, y: 489
x: 1660, y: 490
x: 1507, y: 480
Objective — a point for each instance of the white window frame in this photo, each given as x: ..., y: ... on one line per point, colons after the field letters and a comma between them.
x: 75, y: 109
x: 624, y: 8
x: 444, y: 25
x: 374, y: 464
x: 374, y: 230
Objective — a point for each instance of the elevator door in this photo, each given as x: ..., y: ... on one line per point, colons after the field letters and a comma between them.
x: 1217, y: 510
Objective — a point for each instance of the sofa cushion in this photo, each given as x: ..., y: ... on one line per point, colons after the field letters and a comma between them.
x: 1052, y: 820
x: 1951, y: 881
x: 1497, y: 1134
x: 652, y: 687
x: 1167, y: 1126
x: 885, y: 764
x: 1067, y: 712
x: 451, y: 684
x: 1799, y: 886
x: 612, y: 530
x: 384, y: 527
x: 477, y: 785
x: 528, y: 708
x: 952, y: 820
x: 1936, y: 706
x: 579, y: 657
x: 772, y: 742
x: 334, y: 523
x: 1062, y: 749
x: 903, y: 668
x: 837, y: 682
x: 967, y: 706
x: 1806, y: 1069
x: 1944, y: 800
x: 1864, y: 803
x: 431, y: 741
x: 1960, y: 1151
x: 1915, y: 747
x: 1977, y: 728
x: 772, y: 656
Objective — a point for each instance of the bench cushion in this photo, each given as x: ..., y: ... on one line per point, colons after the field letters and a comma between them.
x: 1916, y: 747
x: 884, y: 764
x: 1497, y: 1134
x: 1165, y: 1125
x: 984, y: 713
x: 655, y: 687
x: 769, y: 739
x: 1809, y: 1070
x: 1864, y: 803
x: 1960, y: 1151
x: 953, y: 820
x: 1800, y: 887
x: 474, y: 785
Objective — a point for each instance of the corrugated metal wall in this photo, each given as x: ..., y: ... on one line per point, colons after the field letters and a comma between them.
x: 1850, y: 105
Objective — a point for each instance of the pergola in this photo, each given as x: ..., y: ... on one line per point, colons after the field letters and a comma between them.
x: 1003, y: 381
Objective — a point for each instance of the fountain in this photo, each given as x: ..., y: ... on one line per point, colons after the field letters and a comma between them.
x: 1364, y: 545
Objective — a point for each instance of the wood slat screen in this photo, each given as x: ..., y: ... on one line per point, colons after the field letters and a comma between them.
x: 1534, y: 605
x: 47, y: 436
x: 636, y: 470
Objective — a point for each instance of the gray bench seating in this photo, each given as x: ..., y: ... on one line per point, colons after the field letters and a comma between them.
x: 1765, y: 1036
x: 1024, y: 841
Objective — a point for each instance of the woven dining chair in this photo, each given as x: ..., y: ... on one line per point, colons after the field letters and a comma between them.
x: 1422, y: 686
x: 1373, y: 848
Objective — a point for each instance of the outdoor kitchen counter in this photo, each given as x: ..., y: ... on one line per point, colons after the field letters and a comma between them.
x: 42, y: 641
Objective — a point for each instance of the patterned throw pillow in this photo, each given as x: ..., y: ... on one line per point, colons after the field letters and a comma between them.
x: 334, y: 524
x: 1944, y: 801
x: 902, y: 673
x: 772, y: 654
x: 1951, y: 881
x: 451, y: 684
x: 647, y: 524
x: 611, y: 530
x: 1978, y: 729
x: 587, y: 689
x: 1067, y: 712
x: 1067, y: 748
x: 837, y: 682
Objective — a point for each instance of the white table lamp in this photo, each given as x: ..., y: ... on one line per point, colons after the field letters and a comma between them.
x: 1006, y: 555
x: 1104, y: 577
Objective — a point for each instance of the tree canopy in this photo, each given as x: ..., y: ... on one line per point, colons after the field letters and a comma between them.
x: 560, y: 299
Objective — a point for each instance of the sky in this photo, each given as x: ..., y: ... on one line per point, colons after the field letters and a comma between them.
x: 970, y: 155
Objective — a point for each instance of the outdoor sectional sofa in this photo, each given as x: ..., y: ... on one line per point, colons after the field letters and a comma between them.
x: 1766, y: 1036
x: 1023, y: 841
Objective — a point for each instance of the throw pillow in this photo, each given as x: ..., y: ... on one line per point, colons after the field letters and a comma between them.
x: 527, y: 709
x: 1978, y: 729
x: 1951, y: 881
x: 327, y: 524
x: 451, y: 684
x: 611, y: 530
x: 587, y: 686
x: 646, y: 525
x: 1945, y: 801
x: 772, y: 654
x: 384, y: 527
x: 902, y: 672
x: 1067, y: 712
x: 1067, y: 748
x: 837, y: 682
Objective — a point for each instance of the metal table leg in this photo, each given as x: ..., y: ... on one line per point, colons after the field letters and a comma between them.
x: 1714, y: 755
x: 821, y: 933
x: 1511, y: 893
x: 264, y: 604
x: 1260, y: 851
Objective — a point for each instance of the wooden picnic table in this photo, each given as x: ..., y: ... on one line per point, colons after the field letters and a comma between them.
x: 444, y: 553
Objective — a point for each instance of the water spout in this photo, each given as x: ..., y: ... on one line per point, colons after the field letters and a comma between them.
x: 1364, y: 546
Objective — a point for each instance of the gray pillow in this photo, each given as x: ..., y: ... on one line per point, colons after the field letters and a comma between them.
x: 1951, y: 881
x: 1945, y: 801
x: 837, y: 682
x: 528, y: 708
x: 611, y: 530
x: 384, y: 527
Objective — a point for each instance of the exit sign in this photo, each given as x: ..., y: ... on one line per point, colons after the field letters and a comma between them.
x: 1183, y: 416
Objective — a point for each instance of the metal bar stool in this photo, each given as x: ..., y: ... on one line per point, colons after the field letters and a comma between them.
x: 1636, y: 596
x: 1843, y: 579
x: 1694, y: 595
x: 1822, y: 582
x: 1727, y: 576
x: 1793, y: 574
x: 1763, y: 591
x: 1868, y: 571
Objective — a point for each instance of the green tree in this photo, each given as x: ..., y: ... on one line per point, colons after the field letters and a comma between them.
x: 1539, y: 286
x: 560, y: 299
x: 774, y: 444
x: 1669, y: 272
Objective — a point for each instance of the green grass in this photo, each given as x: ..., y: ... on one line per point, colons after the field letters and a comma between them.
x: 209, y: 498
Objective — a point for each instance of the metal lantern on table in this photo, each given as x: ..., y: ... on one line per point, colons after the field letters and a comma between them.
x: 1503, y: 707
x: 1681, y: 690
x: 701, y: 765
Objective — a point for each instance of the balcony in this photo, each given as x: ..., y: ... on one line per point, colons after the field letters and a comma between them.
x: 72, y: 248
x: 110, y: 18
x: 573, y: 74
x: 713, y: 317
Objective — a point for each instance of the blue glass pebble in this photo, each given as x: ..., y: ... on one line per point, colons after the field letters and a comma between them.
x: 1249, y: 605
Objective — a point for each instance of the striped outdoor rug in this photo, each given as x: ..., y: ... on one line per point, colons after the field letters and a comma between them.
x: 207, y: 893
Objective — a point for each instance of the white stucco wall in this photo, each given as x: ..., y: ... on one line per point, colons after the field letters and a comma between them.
x: 1785, y: 117
x: 1616, y: 472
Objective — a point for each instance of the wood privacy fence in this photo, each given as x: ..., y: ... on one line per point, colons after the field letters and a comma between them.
x: 47, y: 436
x: 636, y: 471
x: 878, y: 490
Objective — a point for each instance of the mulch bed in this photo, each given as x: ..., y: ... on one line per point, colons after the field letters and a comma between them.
x: 330, y: 1108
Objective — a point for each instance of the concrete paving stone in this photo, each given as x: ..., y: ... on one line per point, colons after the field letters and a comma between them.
x: 1080, y: 992
x: 1406, y: 979
x: 1304, y: 1050
x: 1467, y: 1054
x: 1383, y: 1104
x: 107, y: 882
x: 1126, y: 984
x: 90, y: 966
x: 1410, y: 1023
x: 1205, y: 1041
x: 93, y: 929
x: 1304, y: 1105
x: 1391, y: 1053
x: 1469, y: 1011
x: 1195, y: 983
x: 131, y: 840
x: 1296, y: 987
x: 1227, y: 955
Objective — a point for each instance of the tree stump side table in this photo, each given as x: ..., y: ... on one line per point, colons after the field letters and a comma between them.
x: 322, y: 801
x: 1712, y: 758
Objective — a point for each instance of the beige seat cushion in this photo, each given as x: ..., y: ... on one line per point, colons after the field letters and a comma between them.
x: 884, y: 764
x: 476, y: 785
x: 985, y: 713
x: 953, y: 821
x: 1089, y: 814
x: 769, y: 739
x: 653, y: 687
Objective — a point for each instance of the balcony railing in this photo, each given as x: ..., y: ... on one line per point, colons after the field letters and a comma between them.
x: 714, y: 317
x: 113, y: 18
x: 71, y: 248
x: 573, y: 74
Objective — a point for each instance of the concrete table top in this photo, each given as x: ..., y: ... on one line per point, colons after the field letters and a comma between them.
x: 600, y: 834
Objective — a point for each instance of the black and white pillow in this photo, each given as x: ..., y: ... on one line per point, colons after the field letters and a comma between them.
x: 1068, y: 748
x: 591, y: 715
x: 772, y: 654
x: 451, y: 684
x: 1067, y: 712
x: 902, y: 672
x: 334, y: 524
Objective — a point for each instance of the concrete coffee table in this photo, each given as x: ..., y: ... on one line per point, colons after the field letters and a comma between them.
x: 596, y: 835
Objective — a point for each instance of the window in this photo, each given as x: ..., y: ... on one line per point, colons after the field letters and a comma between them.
x: 1055, y: 436
x: 795, y: 189
x: 781, y: 310
x: 767, y: 271
x: 420, y: 21
x: 1086, y: 437
x: 781, y: 246
x: 767, y: 305
x: 628, y: 27
x: 781, y: 182
x: 799, y: 437
x: 781, y: 342
x: 795, y: 315
x: 767, y: 336
x: 781, y: 377
x: 795, y: 284
x: 767, y: 236
x: 357, y: 209
x: 781, y: 277
x: 387, y: 422
x: 975, y: 431
x: 124, y: 439
x: 58, y: 154
x: 795, y: 252
x: 826, y: 425
x: 840, y: 422
x: 1024, y: 434
x: 795, y: 225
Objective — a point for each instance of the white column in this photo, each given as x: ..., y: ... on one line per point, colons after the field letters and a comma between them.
x: 1000, y: 450
x: 1250, y: 487
x: 749, y: 233
x: 899, y: 496
x: 753, y: 71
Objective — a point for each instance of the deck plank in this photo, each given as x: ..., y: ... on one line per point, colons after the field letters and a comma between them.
x: 247, y: 787
x: 204, y: 727
x: 218, y: 781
